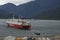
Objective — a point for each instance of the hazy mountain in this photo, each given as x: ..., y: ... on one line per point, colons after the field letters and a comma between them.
x: 11, y: 8
x: 37, y: 9
x: 4, y: 14
x: 50, y: 14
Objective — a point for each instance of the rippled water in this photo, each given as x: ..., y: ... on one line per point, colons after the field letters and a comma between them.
x: 45, y: 27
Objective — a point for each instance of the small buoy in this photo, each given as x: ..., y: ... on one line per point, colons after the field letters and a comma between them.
x: 37, y: 33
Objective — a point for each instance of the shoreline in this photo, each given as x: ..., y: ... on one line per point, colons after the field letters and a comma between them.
x: 29, y: 37
x: 38, y: 19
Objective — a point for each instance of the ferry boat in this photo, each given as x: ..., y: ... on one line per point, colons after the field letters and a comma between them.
x: 18, y: 23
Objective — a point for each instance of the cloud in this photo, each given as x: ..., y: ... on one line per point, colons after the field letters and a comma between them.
x: 16, y: 2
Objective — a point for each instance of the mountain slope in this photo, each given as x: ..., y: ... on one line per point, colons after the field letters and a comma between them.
x: 34, y: 9
x: 9, y: 7
x: 4, y: 14
x: 50, y: 14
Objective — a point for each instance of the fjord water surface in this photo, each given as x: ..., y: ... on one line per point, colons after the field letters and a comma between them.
x: 45, y: 27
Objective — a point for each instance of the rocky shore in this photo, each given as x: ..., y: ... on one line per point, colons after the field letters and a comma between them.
x: 31, y: 38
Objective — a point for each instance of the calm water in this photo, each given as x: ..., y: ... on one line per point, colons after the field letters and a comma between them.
x: 45, y: 27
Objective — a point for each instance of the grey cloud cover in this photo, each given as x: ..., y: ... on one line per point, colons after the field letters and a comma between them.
x: 16, y: 2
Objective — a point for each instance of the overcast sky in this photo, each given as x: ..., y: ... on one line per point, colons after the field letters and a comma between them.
x: 16, y: 2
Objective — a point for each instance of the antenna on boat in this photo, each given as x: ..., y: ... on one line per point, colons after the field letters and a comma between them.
x: 18, y: 19
x: 13, y: 17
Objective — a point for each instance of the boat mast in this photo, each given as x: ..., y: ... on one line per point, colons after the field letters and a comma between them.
x: 19, y: 19
x: 13, y: 18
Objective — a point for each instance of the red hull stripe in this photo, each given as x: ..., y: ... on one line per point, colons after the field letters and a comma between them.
x: 15, y: 25
x: 19, y: 26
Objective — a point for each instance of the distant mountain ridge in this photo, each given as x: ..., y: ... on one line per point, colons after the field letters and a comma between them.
x: 37, y: 9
